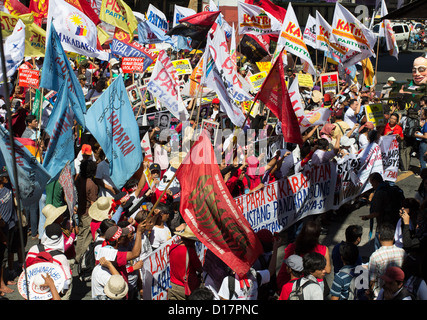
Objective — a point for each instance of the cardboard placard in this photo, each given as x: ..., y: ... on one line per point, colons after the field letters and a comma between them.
x: 132, y: 64
x: 330, y: 82
x: 305, y: 80
x: 182, y: 66
x: 375, y: 114
x: 29, y: 78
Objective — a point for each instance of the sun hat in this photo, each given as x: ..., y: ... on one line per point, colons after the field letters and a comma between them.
x: 391, y: 79
x: 316, y: 96
x: 186, y: 233
x: 52, y: 213
x: 116, y: 287
x: 393, y: 274
x: 100, y: 209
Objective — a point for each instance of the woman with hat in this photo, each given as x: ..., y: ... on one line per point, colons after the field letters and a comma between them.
x: 100, y: 210
x: 69, y: 230
x: 185, y: 266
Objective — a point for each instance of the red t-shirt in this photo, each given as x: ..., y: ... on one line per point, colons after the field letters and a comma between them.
x: 284, y: 277
x: 396, y: 130
x: 287, y: 289
x: 177, y: 256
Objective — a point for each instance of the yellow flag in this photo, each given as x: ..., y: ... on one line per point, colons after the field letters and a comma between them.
x: 119, y: 14
x: 35, y: 36
x: 102, y: 35
x: 368, y: 72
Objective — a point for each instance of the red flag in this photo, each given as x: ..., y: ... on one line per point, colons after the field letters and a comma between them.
x: 277, y: 11
x: 16, y: 8
x: 195, y: 26
x: 274, y: 94
x: 39, y: 8
x: 211, y: 212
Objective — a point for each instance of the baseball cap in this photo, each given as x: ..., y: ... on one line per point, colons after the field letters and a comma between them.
x: 86, y: 149
x: 215, y: 101
x: 53, y: 231
x: 295, y: 262
x: 393, y: 274
x: 82, y: 77
x: 155, y: 166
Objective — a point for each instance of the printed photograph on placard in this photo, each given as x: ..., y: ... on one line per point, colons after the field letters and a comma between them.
x: 163, y: 120
x: 204, y: 111
x: 134, y: 95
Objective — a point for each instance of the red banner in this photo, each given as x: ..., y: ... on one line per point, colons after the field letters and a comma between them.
x: 211, y: 212
x: 29, y: 78
x: 132, y: 64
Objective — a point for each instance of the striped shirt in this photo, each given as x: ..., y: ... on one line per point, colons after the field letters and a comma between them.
x: 342, y: 279
x: 385, y: 256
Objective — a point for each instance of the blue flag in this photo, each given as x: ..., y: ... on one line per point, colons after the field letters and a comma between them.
x: 57, y: 71
x: 112, y: 122
x: 32, y: 177
x: 60, y: 129
x: 150, y: 33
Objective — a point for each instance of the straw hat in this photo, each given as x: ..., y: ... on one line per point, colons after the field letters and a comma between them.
x: 52, y: 213
x: 100, y: 209
x: 116, y: 287
x: 316, y: 96
x: 186, y: 233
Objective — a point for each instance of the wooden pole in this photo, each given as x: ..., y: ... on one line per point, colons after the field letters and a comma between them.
x: 161, y: 196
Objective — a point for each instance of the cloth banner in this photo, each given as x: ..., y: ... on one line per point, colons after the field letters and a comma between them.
x: 292, y: 40
x: 112, y: 122
x: 255, y: 20
x: 210, y: 211
x: 120, y: 15
x: 57, y: 70
x: 76, y: 31
x: 60, y: 129
x: 163, y: 85
x: 32, y: 177
x: 14, y: 48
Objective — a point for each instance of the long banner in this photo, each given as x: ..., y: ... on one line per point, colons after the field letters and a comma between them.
x: 278, y: 205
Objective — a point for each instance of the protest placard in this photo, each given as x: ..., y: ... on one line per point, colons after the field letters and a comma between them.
x: 29, y: 78
x: 330, y: 82
x: 132, y: 64
x: 305, y: 80
x: 182, y: 66
x: 257, y: 79
x: 375, y: 114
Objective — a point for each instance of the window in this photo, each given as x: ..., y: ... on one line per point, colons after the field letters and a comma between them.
x: 398, y: 29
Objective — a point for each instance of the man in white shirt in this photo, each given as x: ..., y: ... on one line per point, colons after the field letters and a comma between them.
x: 350, y: 116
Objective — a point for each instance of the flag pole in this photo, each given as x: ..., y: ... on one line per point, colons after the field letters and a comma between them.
x: 14, y: 169
x: 376, y: 60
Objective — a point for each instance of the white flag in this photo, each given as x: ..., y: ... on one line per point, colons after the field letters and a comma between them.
x: 164, y: 86
x: 157, y: 17
x: 221, y: 20
x: 386, y: 30
x: 76, y: 31
x: 218, y: 79
x: 255, y: 20
x: 347, y: 30
x: 310, y: 32
x: 291, y: 38
x: 14, y: 48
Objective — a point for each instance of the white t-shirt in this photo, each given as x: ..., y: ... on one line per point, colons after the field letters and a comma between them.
x: 100, y: 277
x: 159, y: 236
x: 161, y: 156
x: 350, y: 117
x: 241, y: 288
x: 103, y: 173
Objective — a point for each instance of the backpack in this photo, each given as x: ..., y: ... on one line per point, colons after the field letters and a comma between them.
x: 352, y: 290
x: 232, y: 283
x: 412, y: 123
x: 88, y: 262
x: 42, y: 256
x: 298, y: 292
